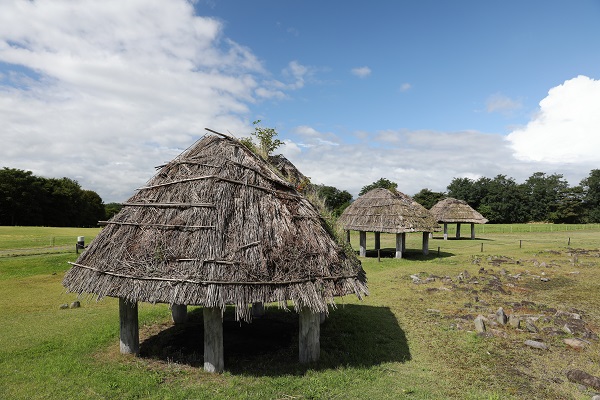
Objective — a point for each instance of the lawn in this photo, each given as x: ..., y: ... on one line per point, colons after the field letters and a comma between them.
x: 406, y: 340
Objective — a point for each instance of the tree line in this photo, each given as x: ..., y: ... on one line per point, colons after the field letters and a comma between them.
x: 29, y: 200
x: 541, y: 198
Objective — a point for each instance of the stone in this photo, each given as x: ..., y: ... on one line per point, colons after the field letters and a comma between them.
x: 537, y: 345
x: 480, y: 324
x: 575, y: 344
x: 464, y: 276
x: 501, y: 316
x: 75, y: 304
x: 544, y: 279
x: 530, y: 326
x: 583, y: 378
x: 567, y: 314
x: 64, y: 306
x: 514, y: 321
x: 596, y: 397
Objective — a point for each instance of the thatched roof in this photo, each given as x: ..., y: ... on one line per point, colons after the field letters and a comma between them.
x: 382, y: 210
x: 452, y: 210
x: 287, y: 169
x: 217, y: 226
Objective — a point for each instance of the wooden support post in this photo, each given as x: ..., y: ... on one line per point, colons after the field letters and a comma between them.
x: 213, y: 340
x: 179, y: 313
x: 399, y: 244
x: 348, y: 236
x: 377, y: 240
x: 472, y: 231
x: 129, y: 329
x: 363, y: 243
x: 425, y: 243
x: 458, y: 230
x: 445, y: 231
x: 309, y: 332
x: 258, y: 309
x: 403, y: 241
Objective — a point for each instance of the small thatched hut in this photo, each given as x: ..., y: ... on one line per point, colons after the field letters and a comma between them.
x: 454, y: 211
x: 383, y: 210
x: 217, y: 226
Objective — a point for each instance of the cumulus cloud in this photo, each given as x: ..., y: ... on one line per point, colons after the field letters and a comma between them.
x: 565, y: 129
x: 100, y: 91
x: 361, y: 72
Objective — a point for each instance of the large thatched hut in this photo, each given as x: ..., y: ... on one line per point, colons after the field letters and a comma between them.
x: 218, y: 226
x: 383, y: 210
x: 454, y: 211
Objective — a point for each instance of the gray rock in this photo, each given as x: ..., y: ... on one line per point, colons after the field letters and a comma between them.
x: 514, y: 321
x: 537, y: 345
x: 64, y: 306
x: 530, y: 326
x: 575, y: 343
x: 544, y: 279
x: 479, y: 324
x: 75, y: 304
x: 501, y: 316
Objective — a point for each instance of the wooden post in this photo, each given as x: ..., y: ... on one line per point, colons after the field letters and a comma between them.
x: 445, y: 231
x: 129, y: 334
x: 458, y: 230
x: 348, y: 236
x: 179, y: 313
x: 399, y: 244
x: 258, y: 309
x: 213, y: 340
x: 403, y: 241
x: 472, y: 231
x: 309, y: 332
x: 377, y: 240
x: 363, y: 243
x: 425, y: 243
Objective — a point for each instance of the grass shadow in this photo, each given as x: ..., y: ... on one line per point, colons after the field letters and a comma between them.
x: 352, y: 336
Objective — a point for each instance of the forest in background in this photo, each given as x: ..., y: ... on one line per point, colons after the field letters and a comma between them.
x: 29, y: 200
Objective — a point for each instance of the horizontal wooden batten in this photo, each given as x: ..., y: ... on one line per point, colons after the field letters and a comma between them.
x: 168, y: 205
x: 166, y: 226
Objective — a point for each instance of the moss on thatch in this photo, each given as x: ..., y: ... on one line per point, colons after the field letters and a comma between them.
x: 452, y: 210
x: 217, y: 226
x: 382, y: 210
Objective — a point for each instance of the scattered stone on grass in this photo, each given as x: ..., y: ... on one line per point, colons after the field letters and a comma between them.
x: 545, y: 279
x: 501, y: 316
x: 75, y: 304
x: 537, y: 345
x: 576, y: 344
x: 567, y: 314
x: 530, y: 326
x: 64, y: 306
x: 578, y: 376
x: 514, y: 321
x: 480, y: 324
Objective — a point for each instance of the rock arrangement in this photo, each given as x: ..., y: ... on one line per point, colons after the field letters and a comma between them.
x: 537, y: 326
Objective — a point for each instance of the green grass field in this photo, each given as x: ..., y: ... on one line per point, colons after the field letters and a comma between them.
x: 406, y: 340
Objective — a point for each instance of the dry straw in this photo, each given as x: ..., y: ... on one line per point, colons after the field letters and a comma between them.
x: 218, y: 226
x: 451, y: 210
x: 383, y: 210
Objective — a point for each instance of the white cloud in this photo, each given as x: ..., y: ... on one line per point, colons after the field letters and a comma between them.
x: 502, y: 104
x: 106, y: 90
x: 565, y: 130
x: 361, y: 72
x: 405, y: 87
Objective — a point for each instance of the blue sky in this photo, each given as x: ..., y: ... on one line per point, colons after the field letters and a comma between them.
x: 418, y: 92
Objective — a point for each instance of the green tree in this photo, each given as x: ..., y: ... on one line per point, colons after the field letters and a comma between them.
x: 569, y: 208
x: 335, y: 200
x: 503, y: 200
x: 92, y: 209
x: 266, y: 141
x: 544, y: 193
x: 591, y: 196
x: 427, y: 198
x: 111, y: 209
x: 463, y: 189
x: 21, y: 198
x: 381, y: 183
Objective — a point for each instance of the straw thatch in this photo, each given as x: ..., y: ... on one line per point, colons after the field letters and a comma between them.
x: 287, y: 169
x: 382, y: 210
x: 217, y: 226
x: 452, y: 210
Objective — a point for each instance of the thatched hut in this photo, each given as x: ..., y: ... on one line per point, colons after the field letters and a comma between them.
x: 383, y: 210
x: 217, y: 226
x: 454, y: 211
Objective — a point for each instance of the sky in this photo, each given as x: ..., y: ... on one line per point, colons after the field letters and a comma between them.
x: 417, y: 92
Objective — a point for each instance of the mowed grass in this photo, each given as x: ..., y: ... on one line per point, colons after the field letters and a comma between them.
x: 403, y: 341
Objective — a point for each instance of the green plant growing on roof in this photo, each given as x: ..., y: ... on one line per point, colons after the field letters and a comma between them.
x: 266, y: 141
